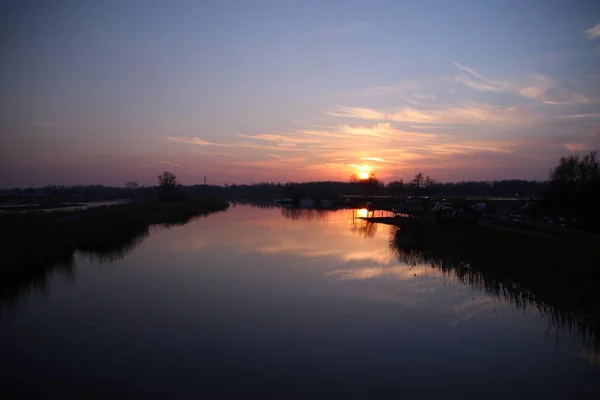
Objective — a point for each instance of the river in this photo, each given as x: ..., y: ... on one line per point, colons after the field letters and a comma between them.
x: 281, y: 303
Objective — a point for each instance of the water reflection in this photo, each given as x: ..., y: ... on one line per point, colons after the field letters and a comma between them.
x: 309, y: 214
x: 18, y: 282
x: 405, y: 254
x: 363, y: 228
x: 360, y: 226
x: 491, y: 278
x: 249, y: 297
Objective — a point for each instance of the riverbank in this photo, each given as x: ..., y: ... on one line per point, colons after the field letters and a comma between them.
x: 559, y: 272
x: 40, y: 239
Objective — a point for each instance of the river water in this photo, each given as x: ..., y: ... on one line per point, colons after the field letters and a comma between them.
x: 281, y: 303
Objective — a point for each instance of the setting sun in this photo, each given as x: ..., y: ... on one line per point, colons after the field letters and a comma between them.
x: 363, y: 175
x: 361, y: 171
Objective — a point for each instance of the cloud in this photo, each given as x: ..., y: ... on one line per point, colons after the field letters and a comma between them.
x: 378, y: 159
x: 168, y: 163
x: 202, y: 142
x: 578, y: 116
x: 52, y: 124
x: 539, y: 87
x: 402, y: 87
x: 593, y: 32
x: 277, y: 162
x: 576, y: 146
x: 473, y: 113
x: 282, y: 138
x: 449, y: 136
x: 195, y: 140
x: 350, y: 29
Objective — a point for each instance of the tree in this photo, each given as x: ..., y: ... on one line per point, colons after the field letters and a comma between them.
x: 396, y: 187
x: 576, y: 171
x: 167, y: 179
x: 168, y: 188
x: 574, y: 188
x: 131, y: 185
x: 429, y: 182
x: 419, y: 181
x: 428, y: 186
x: 371, y: 185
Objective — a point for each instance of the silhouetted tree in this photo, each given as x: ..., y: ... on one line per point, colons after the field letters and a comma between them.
x: 396, y: 187
x: 574, y: 188
x: 429, y: 186
x: 418, y: 181
x: 371, y: 185
x: 167, y: 179
x: 168, y: 188
x: 131, y: 185
x: 429, y: 182
x: 576, y: 172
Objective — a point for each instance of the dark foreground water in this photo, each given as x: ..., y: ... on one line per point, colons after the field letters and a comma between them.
x: 271, y: 303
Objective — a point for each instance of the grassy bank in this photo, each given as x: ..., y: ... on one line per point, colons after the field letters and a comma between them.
x: 545, y: 271
x: 41, y: 239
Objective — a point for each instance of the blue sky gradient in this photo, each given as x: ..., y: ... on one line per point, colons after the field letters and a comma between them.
x: 243, y: 91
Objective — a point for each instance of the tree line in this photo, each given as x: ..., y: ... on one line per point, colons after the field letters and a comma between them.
x: 322, y: 189
x: 573, y: 186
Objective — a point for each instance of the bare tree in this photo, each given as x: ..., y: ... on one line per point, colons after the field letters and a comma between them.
x: 575, y: 188
x: 429, y: 182
x: 168, y: 188
x: 577, y: 171
x: 131, y: 185
x: 419, y: 181
x: 167, y: 179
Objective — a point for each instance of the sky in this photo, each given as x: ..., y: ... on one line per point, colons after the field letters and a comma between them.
x: 248, y: 91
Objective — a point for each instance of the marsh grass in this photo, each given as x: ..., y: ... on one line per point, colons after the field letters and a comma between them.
x: 39, y: 239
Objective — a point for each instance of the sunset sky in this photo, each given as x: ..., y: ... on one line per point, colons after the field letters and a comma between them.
x: 241, y: 91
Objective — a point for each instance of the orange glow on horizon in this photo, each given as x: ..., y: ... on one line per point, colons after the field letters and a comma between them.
x: 361, y: 171
x: 363, y: 175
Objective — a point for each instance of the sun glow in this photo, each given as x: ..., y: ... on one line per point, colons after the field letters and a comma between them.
x: 361, y: 171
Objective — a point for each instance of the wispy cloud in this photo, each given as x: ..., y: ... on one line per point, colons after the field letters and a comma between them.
x: 349, y: 29
x: 378, y: 159
x: 473, y: 113
x: 195, y: 140
x: 172, y: 164
x: 203, y: 142
x: 51, y: 124
x: 279, y: 162
x: 537, y: 87
x: 282, y: 138
x: 579, y: 116
x: 440, y: 135
x: 593, y: 32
